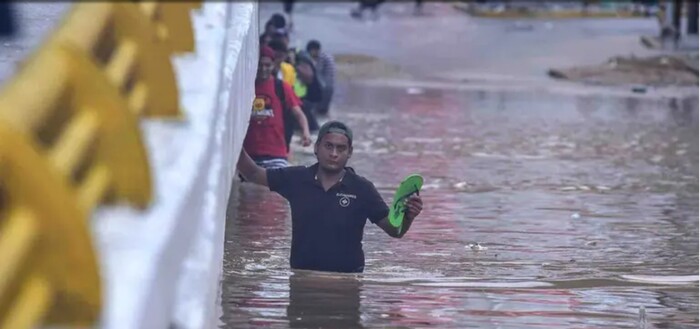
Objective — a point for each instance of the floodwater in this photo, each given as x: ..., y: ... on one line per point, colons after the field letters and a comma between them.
x: 585, y: 206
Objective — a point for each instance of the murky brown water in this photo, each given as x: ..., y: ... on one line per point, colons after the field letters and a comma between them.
x: 588, y: 208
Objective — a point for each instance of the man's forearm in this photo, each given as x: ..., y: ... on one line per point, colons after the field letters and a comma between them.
x: 301, y: 119
x: 406, y: 225
x: 246, y: 166
x: 250, y: 170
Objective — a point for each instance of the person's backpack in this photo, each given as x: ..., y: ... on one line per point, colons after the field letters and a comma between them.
x: 290, y: 122
x: 279, y: 91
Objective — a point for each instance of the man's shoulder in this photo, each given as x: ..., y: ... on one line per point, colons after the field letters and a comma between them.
x: 278, y: 178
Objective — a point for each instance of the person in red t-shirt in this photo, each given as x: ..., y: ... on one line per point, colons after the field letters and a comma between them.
x: 264, y: 141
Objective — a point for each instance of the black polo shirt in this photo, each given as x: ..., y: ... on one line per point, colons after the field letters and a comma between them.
x: 327, y: 226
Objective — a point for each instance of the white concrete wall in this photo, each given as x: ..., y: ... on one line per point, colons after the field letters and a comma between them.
x: 162, y: 266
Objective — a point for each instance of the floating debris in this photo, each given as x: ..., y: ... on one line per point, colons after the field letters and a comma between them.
x: 657, y: 158
x: 476, y: 247
x: 591, y: 243
x: 414, y: 91
x: 639, y: 89
x: 460, y: 186
x: 575, y: 215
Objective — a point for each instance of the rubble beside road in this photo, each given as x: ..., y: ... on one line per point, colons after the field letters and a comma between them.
x: 357, y: 66
x: 553, y: 10
x: 663, y: 70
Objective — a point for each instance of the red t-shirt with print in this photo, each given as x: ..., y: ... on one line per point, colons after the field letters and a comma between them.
x: 265, y: 135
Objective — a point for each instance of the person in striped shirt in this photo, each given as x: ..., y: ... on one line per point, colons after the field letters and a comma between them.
x: 325, y: 66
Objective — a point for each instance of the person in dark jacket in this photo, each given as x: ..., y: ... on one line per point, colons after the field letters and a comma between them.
x: 7, y: 20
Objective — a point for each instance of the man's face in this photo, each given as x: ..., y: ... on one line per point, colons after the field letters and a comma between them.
x: 265, y: 66
x: 314, y: 53
x: 333, y: 152
x: 269, y: 29
x: 280, y: 56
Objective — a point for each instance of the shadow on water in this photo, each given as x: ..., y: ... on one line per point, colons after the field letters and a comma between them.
x: 587, y: 208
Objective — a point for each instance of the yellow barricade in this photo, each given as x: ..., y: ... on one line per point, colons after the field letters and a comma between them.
x: 82, y: 125
x: 48, y: 271
x: 69, y: 140
x: 172, y: 23
x: 123, y: 43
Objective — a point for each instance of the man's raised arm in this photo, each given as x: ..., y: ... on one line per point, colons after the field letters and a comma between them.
x: 250, y: 170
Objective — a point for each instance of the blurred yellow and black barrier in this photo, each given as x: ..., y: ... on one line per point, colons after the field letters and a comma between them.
x: 70, y: 141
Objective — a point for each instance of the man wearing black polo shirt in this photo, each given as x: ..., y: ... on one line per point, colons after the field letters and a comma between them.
x: 330, y: 204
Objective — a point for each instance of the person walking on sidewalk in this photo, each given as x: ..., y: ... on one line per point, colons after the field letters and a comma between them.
x: 265, y: 140
x: 330, y: 204
x: 288, y: 9
x: 325, y: 67
x: 372, y: 5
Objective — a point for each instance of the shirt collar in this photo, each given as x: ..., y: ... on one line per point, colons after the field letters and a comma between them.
x: 344, y: 181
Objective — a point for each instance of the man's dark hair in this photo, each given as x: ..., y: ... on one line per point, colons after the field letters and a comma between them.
x: 277, y: 45
x: 278, y: 21
x: 313, y: 45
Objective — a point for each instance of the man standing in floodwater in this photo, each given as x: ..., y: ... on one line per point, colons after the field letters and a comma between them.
x: 330, y: 204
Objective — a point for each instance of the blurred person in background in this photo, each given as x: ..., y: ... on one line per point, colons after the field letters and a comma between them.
x: 7, y: 21
x: 308, y: 87
x: 265, y: 138
x: 325, y: 66
x: 274, y: 26
x: 418, y: 9
x: 283, y: 70
x: 288, y: 9
x: 283, y: 36
x: 286, y: 72
x: 372, y: 5
x: 275, y: 23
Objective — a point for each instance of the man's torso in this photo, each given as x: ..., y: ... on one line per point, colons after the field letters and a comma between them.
x: 327, y: 226
x: 265, y: 136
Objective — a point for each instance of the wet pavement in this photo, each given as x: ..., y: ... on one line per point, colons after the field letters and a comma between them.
x: 585, y: 204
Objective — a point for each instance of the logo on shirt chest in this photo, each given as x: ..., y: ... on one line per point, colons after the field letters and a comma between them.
x: 344, y: 199
x: 262, y: 108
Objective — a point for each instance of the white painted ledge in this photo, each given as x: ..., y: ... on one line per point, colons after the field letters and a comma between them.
x: 162, y: 266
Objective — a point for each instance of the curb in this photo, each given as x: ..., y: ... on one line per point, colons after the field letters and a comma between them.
x: 564, y: 14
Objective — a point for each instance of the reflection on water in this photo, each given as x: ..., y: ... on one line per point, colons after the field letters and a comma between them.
x: 317, y: 301
x: 587, y: 207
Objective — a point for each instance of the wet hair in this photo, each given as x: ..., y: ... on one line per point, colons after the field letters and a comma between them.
x: 278, y: 21
x: 313, y: 45
x: 278, y: 45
